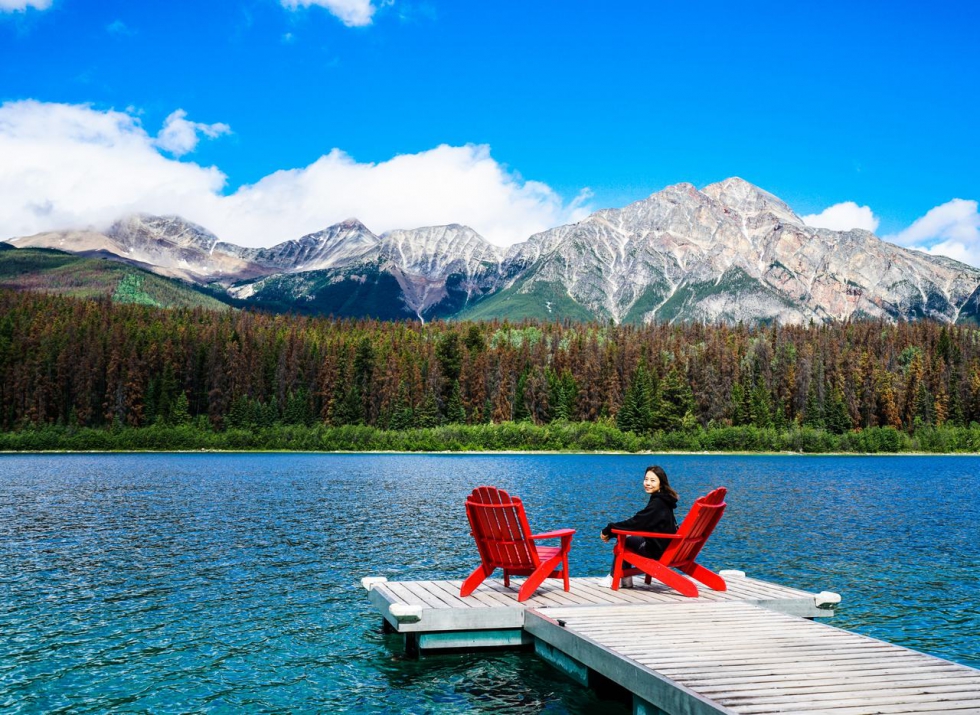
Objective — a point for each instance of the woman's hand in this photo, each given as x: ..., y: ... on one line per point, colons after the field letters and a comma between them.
x: 604, y: 537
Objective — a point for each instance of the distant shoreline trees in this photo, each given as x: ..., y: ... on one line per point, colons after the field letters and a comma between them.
x: 97, y: 365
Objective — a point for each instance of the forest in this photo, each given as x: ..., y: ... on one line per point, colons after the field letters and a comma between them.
x: 75, y: 372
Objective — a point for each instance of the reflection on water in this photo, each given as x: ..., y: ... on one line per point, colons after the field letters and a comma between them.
x: 209, y: 582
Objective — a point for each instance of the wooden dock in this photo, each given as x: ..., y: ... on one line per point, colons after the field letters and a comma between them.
x: 730, y: 657
x: 750, y: 649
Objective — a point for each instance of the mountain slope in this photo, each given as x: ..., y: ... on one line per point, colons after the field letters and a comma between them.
x: 51, y: 271
x: 734, y: 252
x: 423, y: 273
x: 170, y: 245
x: 729, y: 252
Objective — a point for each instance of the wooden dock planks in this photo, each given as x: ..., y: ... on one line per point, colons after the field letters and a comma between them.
x: 747, y: 650
x: 732, y: 657
x: 428, y: 606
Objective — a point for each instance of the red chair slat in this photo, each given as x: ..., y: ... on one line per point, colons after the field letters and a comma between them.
x: 503, y: 539
x: 681, y: 553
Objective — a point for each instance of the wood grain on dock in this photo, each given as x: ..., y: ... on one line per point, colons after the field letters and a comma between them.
x: 749, y: 650
x: 431, y: 606
x: 735, y: 657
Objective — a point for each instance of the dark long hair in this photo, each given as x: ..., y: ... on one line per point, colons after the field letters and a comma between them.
x: 664, y: 483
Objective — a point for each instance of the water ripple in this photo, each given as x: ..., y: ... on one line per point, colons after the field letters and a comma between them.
x: 212, y: 583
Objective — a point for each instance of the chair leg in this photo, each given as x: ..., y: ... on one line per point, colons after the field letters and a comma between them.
x: 564, y: 570
x: 707, y: 577
x: 537, y: 577
x: 475, y: 579
x: 662, y: 573
x: 617, y: 574
x: 506, y: 578
x: 673, y: 579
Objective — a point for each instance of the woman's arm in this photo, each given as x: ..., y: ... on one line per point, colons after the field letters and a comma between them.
x: 655, y: 516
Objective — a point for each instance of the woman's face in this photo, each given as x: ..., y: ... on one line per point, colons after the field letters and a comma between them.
x: 651, y: 483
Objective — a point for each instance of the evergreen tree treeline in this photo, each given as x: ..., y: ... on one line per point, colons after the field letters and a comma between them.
x: 101, y: 364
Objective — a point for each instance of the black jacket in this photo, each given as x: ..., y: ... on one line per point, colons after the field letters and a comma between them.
x: 656, y: 516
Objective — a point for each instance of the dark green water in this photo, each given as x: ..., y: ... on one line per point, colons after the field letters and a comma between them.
x: 218, y: 583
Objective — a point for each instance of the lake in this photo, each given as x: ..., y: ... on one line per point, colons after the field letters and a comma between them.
x: 220, y: 582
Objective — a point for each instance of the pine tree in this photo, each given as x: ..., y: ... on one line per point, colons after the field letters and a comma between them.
x: 636, y: 412
x: 672, y: 399
x: 760, y: 406
x: 180, y: 413
x: 562, y: 395
x: 455, y: 413
x: 813, y: 415
x: 838, y: 420
x: 298, y: 410
x: 427, y: 414
x: 521, y: 411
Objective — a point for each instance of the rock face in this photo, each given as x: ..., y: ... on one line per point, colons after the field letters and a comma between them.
x: 338, y: 245
x: 730, y: 252
x: 426, y: 272
x: 168, y: 245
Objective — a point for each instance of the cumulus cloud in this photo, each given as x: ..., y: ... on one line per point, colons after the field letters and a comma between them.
x: 180, y: 136
x: 952, y: 229
x: 353, y: 13
x: 71, y: 166
x: 22, y: 5
x: 844, y: 217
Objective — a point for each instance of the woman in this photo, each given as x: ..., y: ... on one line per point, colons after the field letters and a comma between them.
x: 657, y: 516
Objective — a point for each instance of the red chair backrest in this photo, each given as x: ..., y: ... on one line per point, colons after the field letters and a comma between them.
x: 500, y: 528
x: 696, y: 528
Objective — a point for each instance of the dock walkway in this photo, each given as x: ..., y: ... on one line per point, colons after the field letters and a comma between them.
x: 729, y: 657
x: 750, y: 649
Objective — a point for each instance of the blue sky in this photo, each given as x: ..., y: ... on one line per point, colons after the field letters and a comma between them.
x: 595, y: 105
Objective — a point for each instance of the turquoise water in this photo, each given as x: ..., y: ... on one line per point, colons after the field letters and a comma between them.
x: 214, y: 583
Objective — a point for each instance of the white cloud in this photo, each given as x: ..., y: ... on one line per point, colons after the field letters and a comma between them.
x: 70, y: 166
x: 180, y: 136
x: 844, y: 217
x: 22, y: 5
x: 951, y: 229
x: 353, y: 13
x: 119, y: 28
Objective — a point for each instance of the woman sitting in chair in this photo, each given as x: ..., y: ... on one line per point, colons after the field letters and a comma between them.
x: 657, y: 516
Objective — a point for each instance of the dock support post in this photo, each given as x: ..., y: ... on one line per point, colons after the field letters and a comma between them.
x: 642, y: 707
x: 411, y: 645
x: 566, y: 664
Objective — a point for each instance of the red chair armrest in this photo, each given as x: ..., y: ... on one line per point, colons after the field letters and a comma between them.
x: 622, y: 532
x: 554, y: 534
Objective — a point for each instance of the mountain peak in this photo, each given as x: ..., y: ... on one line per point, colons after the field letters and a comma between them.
x: 436, y: 249
x: 748, y: 199
x: 340, y: 243
x: 351, y: 224
x: 140, y: 229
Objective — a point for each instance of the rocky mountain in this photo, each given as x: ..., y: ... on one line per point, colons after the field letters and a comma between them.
x: 167, y: 245
x: 728, y: 252
x: 51, y: 271
x: 340, y: 244
x: 426, y: 272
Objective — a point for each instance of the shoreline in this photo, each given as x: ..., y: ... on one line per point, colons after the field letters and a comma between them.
x: 502, y: 452
x: 558, y: 437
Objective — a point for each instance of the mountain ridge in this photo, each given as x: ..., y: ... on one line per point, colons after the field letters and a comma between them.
x: 729, y: 252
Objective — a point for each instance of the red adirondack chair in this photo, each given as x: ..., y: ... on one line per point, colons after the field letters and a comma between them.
x: 504, y: 540
x: 680, y: 554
